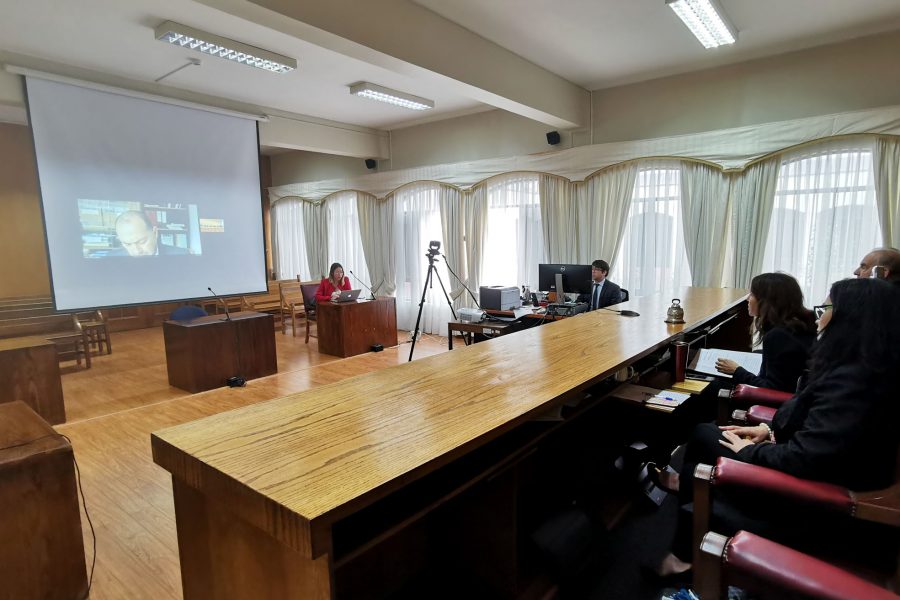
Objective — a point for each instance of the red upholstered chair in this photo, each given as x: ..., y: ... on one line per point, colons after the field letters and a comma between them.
x: 733, y: 405
x: 882, y: 506
x: 750, y: 561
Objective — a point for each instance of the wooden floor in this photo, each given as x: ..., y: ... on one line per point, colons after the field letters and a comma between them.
x: 113, y: 407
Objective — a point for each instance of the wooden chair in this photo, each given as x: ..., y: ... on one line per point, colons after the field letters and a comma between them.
x: 292, y: 305
x: 96, y: 328
x: 309, y: 301
x: 63, y: 330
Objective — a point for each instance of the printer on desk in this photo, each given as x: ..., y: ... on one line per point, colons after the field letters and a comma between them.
x: 498, y: 297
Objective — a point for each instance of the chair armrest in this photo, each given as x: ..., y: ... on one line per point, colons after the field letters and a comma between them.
x: 789, y: 569
x: 760, y: 414
x: 748, y: 394
x: 734, y: 473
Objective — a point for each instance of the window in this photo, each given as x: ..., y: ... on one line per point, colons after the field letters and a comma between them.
x: 824, y: 218
x: 652, y: 257
x: 513, y: 231
x: 288, y: 240
x: 344, y: 240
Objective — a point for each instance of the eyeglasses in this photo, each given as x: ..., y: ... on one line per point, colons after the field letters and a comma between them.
x: 820, y: 310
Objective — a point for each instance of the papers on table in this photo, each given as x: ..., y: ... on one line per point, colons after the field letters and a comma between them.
x: 664, y: 400
x: 705, y: 361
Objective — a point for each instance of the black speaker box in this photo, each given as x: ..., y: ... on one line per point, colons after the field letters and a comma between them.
x: 371, y: 163
x: 553, y: 138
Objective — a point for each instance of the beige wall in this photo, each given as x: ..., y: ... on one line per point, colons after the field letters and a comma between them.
x: 472, y: 137
x: 853, y: 75
x: 299, y: 166
x: 23, y: 255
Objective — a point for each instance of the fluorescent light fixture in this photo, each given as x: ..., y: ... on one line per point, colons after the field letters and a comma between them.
x: 214, y: 45
x: 383, y: 94
x: 706, y: 21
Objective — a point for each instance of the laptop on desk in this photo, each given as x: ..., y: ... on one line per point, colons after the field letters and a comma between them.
x: 348, y: 296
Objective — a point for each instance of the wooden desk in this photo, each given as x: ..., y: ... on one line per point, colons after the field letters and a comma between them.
x: 306, y: 495
x: 351, y: 328
x: 41, y: 548
x: 29, y: 371
x: 464, y: 327
x: 202, y: 353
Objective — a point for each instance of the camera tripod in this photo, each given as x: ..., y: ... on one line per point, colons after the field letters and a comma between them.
x: 432, y: 271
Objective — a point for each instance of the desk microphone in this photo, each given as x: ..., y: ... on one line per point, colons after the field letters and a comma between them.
x: 363, y: 283
x: 224, y: 304
x: 624, y: 313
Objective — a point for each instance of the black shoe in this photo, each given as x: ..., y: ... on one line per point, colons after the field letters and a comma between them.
x: 650, y: 472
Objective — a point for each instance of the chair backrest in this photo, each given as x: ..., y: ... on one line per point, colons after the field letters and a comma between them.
x: 309, y: 295
x: 187, y: 312
x: 291, y: 293
x: 624, y: 294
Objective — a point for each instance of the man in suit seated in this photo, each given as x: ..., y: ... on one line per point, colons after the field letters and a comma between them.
x: 140, y: 237
x: 603, y: 291
x: 887, y: 258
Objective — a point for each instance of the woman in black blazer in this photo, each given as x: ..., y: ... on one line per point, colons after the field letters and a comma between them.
x: 840, y: 428
x: 784, y: 327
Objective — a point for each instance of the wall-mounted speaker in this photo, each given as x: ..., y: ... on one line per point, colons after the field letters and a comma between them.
x: 371, y: 163
x: 553, y: 138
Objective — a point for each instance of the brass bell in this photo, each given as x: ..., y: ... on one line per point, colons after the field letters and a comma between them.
x: 675, y: 314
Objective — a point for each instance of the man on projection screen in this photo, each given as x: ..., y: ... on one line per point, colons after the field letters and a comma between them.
x: 140, y: 237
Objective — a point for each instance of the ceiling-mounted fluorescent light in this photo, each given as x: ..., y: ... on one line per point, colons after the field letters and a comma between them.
x: 383, y: 94
x: 706, y: 21
x: 214, y: 45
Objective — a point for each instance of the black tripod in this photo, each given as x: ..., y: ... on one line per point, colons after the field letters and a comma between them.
x: 431, y: 255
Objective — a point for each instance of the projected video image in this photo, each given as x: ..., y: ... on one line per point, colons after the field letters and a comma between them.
x: 123, y: 228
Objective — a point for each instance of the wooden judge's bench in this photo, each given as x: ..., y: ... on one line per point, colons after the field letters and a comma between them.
x: 427, y: 479
x: 351, y: 328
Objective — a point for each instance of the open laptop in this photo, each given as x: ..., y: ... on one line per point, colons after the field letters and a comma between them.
x: 348, y: 296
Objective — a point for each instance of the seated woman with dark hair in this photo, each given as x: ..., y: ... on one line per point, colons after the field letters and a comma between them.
x: 841, y: 428
x: 785, y: 329
x: 331, y: 287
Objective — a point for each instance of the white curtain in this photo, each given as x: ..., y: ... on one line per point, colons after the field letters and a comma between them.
x: 602, y: 212
x: 288, y: 239
x: 704, y: 209
x: 514, y: 243
x: 417, y: 221
x: 559, y: 219
x: 376, y: 228
x: 315, y: 229
x: 475, y: 203
x: 453, y: 234
x: 752, y: 197
x: 887, y: 189
x: 652, y: 256
x: 344, y: 241
x: 824, y: 217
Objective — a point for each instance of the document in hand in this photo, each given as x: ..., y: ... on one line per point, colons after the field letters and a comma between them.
x: 705, y: 361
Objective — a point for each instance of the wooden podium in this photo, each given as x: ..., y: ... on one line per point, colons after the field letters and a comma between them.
x: 351, y: 328
x: 202, y: 353
x: 29, y: 371
x: 41, y: 547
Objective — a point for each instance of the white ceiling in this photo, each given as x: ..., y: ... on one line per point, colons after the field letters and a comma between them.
x: 602, y: 43
x: 592, y: 43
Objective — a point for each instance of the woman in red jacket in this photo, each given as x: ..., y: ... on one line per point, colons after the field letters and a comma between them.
x: 331, y: 286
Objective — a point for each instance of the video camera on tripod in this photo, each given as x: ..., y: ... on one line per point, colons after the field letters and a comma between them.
x: 434, y: 249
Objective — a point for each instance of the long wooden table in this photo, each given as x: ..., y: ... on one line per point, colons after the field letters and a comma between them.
x: 302, y: 496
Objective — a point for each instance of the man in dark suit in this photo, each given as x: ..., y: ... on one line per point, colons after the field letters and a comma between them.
x: 140, y: 237
x: 603, y: 291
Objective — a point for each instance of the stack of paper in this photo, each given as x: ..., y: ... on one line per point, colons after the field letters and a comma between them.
x: 705, y: 361
x: 667, y: 400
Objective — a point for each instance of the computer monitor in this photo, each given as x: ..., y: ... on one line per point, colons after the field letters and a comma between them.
x: 576, y: 278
